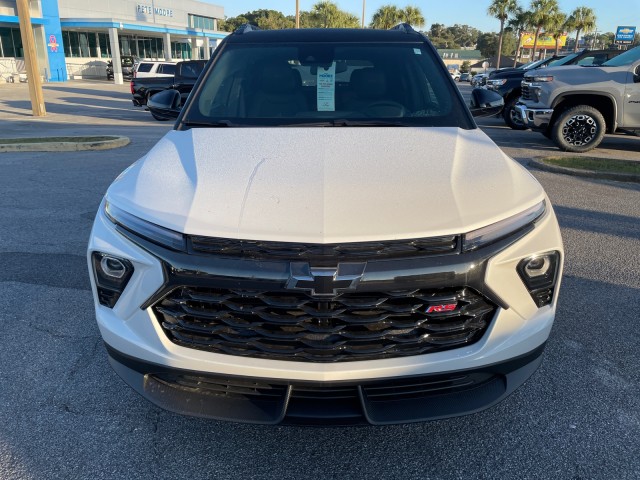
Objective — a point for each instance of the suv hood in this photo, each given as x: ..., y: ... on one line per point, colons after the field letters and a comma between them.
x: 325, y: 185
x: 577, y: 74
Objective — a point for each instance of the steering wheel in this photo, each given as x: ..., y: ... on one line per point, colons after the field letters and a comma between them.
x: 374, y: 109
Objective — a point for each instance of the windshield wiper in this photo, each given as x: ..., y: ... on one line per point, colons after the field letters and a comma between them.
x: 343, y: 122
x: 212, y: 124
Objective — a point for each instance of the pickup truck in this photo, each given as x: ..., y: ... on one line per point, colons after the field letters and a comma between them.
x: 187, y: 73
x: 507, y: 81
x: 575, y: 106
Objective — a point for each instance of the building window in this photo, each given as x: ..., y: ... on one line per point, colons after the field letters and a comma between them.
x: 105, y: 47
x: 10, y: 43
x: 181, y: 50
x: 197, y: 21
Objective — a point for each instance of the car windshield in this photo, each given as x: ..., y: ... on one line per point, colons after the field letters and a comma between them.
x: 326, y: 84
x: 127, y: 61
x: 531, y: 65
x: 563, y: 60
x: 624, y: 59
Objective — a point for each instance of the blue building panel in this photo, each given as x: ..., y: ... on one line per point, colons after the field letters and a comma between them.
x: 57, y: 71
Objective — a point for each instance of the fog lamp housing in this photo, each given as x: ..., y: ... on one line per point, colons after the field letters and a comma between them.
x: 111, y: 274
x: 539, y: 273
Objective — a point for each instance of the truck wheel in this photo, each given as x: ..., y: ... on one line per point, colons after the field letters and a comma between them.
x: 578, y: 129
x: 510, y: 117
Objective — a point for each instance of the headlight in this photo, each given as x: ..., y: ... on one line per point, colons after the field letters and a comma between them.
x: 155, y: 233
x: 497, y: 83
x: 111, y: 274
x: 522, y: 222
x: 539, y: 273
x: 539, y: 79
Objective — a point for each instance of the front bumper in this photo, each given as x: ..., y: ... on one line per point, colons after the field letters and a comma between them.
x: 140, y: 348
x: 534, y: 118
x: 273, y: 401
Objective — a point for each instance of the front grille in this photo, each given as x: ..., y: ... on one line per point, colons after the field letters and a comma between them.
x: 294, y: 326
x: 258, y: 249
x: 526, y: 93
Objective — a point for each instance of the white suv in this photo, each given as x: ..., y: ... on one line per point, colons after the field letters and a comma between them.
x: 147, y: 69
x: 347, y: 249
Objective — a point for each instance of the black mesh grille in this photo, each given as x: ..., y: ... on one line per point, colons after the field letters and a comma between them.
x: 288, y: 325
x: 255, y: 249
x: 526, y: 95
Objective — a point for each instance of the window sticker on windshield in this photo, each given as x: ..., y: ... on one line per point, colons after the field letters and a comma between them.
x: 326, y: 88
x: 417, y: 51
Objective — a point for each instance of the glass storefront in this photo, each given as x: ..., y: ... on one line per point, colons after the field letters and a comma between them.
x: 10, y: 43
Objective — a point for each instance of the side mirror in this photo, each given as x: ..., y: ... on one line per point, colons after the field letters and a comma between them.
x: 485, y: 103
x: 165, y: 105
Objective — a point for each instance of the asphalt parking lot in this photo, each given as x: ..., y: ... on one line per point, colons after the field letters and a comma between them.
x: 65, y: 414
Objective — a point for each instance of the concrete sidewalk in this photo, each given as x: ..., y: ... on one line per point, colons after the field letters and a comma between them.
x: 76, y: 108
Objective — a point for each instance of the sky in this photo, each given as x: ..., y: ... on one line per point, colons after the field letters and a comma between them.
x: 609, y: 13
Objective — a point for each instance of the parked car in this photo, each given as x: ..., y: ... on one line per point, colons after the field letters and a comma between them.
x: 128, y: 62
x: 479, y: 79
x: 187, y: 73
x: 575, y: 106
x: 147, y: 69
x: 465, y: 77
x: 351, y: 251
x: 455, y: 76
x: 507, y: 82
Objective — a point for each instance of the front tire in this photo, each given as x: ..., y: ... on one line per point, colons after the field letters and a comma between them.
x: 510, y: 117
x: 579, y: 129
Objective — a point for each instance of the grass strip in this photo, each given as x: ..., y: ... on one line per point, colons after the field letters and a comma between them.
x: 595, y: 164
x: 12, y: 141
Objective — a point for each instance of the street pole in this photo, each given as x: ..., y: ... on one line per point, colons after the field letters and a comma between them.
x: 297, y: 13
x: 364, y: 2
x: 31, y: 59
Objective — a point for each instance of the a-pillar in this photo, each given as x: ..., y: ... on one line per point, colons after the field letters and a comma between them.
x: 115, y: 56
x: 207, y: 49
x: 167, y: 47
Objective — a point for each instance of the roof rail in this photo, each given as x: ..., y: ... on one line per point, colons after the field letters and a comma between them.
x: 404, y: 27
x: 244, y: 28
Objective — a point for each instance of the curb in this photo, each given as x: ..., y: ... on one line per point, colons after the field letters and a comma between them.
x: 70, y: 146
x: 620, y: 177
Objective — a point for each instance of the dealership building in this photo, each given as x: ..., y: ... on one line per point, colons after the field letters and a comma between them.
x: 76, y: 38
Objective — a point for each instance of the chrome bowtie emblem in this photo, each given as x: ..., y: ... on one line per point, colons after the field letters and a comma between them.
x: 321, y: 281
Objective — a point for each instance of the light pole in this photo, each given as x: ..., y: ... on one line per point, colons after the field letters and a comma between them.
x: 297, y: 13
x: 364, y: 3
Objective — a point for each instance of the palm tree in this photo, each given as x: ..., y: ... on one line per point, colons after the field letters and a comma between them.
x: 582, y: 19
x: 520, y: 23
x: 326, y: 14
x: 386, y: 17
x: 557, y: 28
x: 541, y: 13
x: 413, y: 16
x: 501, y: 9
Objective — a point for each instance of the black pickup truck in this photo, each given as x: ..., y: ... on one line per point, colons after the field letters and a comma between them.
x: 507, y: 81
x: 187, y: 73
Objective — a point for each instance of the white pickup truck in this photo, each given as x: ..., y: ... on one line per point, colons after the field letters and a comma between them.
x: 575, y: 106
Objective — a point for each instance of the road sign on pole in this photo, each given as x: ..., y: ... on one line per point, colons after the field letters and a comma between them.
x: 625, y: 35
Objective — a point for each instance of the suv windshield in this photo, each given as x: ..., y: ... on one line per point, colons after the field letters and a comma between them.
x: 624, y: 59
x: 327, y: 84
x: 563, y: 60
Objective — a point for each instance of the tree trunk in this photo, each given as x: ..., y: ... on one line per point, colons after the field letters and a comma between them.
x: 575, y: 47
x: 500, y: 43
x: 535, y: 44
x: 557, y: 46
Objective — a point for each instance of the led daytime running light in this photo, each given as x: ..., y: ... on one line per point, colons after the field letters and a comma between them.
x: 155, y: 233
x: 504, y: 228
